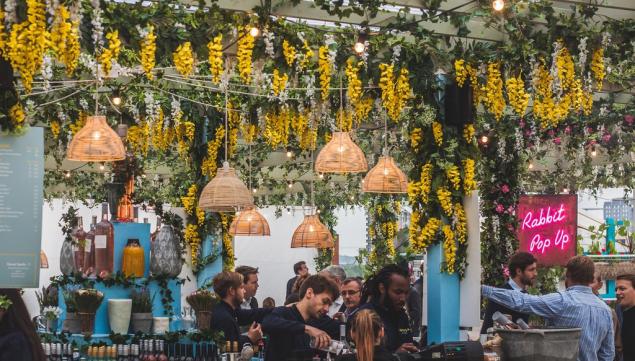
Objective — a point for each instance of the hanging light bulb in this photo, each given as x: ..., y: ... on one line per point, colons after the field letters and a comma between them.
x: 249, y: 223
x: 341, y: 155
x: 96, y: 142
x: 321, y: 176
x: 254, y: 31
x: 289, y: 154
x: 360, y: 44
x: 531, y: 165
x: 67, y: 174
x: 498, y: 5
x: 290, y: 184
x: 593, y: 152
x: 116, y: 98
x: 565, y: 190
x: 102, y: 167
x: 484, y: 139
x: 255, y: 190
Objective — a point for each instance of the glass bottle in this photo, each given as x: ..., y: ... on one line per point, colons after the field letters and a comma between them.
x: 133, y: 262
x: 135, y: 214
x: 89, y: 250
x: 79, y: 243
x: 104, y: 244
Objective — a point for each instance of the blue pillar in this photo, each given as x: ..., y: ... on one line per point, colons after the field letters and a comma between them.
x: 210, y: 245
x: 443, y: 300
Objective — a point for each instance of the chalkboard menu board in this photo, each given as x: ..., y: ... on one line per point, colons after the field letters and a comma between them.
x: 21, y: 182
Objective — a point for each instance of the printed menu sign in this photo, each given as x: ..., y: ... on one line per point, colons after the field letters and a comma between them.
x: 548, y: 227
x: 21, y: 183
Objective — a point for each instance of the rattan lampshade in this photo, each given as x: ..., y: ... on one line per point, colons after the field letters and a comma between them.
x: 96, y: 142
x: 385, y: 177
x: 249, y: 223
x: 225, y: 193
x: 312, y: 233
x: 341, y: 155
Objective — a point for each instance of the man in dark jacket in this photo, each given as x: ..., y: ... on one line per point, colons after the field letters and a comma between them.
x: 250, y: 280
x: 625, y: 309
x: 290, y: 329
x: 227, y: 314
x: 386, y: 293
x: 523, y: 273
x: 300, y: 269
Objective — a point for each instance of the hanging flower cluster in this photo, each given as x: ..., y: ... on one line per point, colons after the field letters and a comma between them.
x: 228, y: 247
x: 494, y: 100
x: 279, y: 82
x: 65, y: 39
x: 449, y: 248
x: 162, y: 135
x: 597, y: 67
x: 460, y: 223
x: 55, y: 128
x: 17, y: 115
x: 469, y: 184
x: 415, y: 138
x: 148, y: 50
x: 427, y: 234
x: 325, y: 68
x: 215, y: 58
x: 138, y: 138
x: 437, y: 132
x: 454, y: 176
x: 354, y: 90
x: 277, y: 126
x: 190, y: 199
x: 193, y: 239
x: 444, y: 196
x: 468, y: 133
x: 25, y: 46
x: 184, y: 59
x: 344, y: 121
x: 244, y: 54
x: 395, y: 90
x: 111, y: 52
x: 289, y: 52
x: 460, y: 72
x: 463, y: 71
x: 306, y: 57
x: 518, y: 97
x: 209, y: 166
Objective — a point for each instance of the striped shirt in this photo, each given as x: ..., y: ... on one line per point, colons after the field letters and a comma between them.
x: 576, y: 307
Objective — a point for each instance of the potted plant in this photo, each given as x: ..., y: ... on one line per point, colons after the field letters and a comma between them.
x: 48, y: 297
x: 51, y: 314
x: 202, y: 301
x: 141, y: 311
x: 5, y: 303
x: 88, y: 301
x: 71, y: 321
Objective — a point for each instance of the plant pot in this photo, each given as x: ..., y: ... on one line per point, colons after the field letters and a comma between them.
x: 119, y: 315
x: 51, y: 325
x: 203, y: 320
x: 142, y: 322
x: 72, y: 323
x: 87, y: 321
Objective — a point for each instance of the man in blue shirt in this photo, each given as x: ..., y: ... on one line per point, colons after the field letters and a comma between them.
x: 576, y: 307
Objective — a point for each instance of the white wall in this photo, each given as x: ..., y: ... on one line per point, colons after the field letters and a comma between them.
x: 274, y: 257
x: 590, y: 209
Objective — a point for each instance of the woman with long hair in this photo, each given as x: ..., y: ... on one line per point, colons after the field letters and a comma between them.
x: 18, y: 339
x: 367, y: 332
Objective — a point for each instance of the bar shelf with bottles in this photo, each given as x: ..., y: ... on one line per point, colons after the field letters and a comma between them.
x: 114, y: 258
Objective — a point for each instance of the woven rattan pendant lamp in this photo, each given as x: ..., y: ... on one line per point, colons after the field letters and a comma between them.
x: 385, y: 177
x: 312, y: 233
x: 341, y: 154
x: 96, y: 141
x: 249, y: 222
x: 226, y: 192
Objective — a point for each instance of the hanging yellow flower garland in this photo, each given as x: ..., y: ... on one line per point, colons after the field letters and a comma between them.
x: 449, y: 248
x: 518, y: 97
x: 111, y: 52
x: 494, y: 100
x: 215, y: 58
x: 278, y: 82
x: 228, y: 247
x: 147, y: 52
x: 597, y: 67
x: 184, y: 59
x: 244, y: 55
x: 325, y: 69
x: 289, y: 52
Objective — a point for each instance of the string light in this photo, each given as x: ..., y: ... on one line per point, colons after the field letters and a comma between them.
x: 593, y: 152
x: 360, y: 44
x: 565, y: 190
x: 255, y: 190
x: 484, y: 139
x: 116, y: 98
x: 102, y: 167
x: 531, y: 165
x: 321, y: 175
x: 289, y: 154
x: 254, y: 31
x: 498, y: 5
x: 143, y: 176
x: 67, y: 174
x: 290, y: 184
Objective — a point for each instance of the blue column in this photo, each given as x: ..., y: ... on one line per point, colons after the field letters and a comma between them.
x: 443, y: 300
x: 210, y: 245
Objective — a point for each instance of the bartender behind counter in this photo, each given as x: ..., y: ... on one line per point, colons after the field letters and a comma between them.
x: 291, y: 328
x: 386, y: 294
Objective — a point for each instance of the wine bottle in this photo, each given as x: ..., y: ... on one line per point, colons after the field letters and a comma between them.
x: 135, y: 212
x: 104, y: 244
x: 79, y: 243
x: 89, y: 250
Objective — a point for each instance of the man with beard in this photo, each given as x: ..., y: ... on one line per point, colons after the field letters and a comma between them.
x: 227, y: 314
x: 522, y: 274
x: 290, y: 329
x: 386, y: 293
x: 300, y: 269
x: 625, y: 294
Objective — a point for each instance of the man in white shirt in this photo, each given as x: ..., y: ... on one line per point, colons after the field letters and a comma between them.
x: 338, y: 275
x: 250, y: 280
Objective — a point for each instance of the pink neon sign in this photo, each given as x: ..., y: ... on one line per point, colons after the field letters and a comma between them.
x: 548, y: 226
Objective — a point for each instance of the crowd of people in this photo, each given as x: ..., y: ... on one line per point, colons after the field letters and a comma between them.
x: 376, y: 315
x: 373, y: 312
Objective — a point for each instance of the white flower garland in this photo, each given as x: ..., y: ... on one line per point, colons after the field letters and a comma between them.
x: 584, y: 52
x: 556, y: 85
x: 98, y: 28
x: 47, y: 72
x: 268, y: 38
